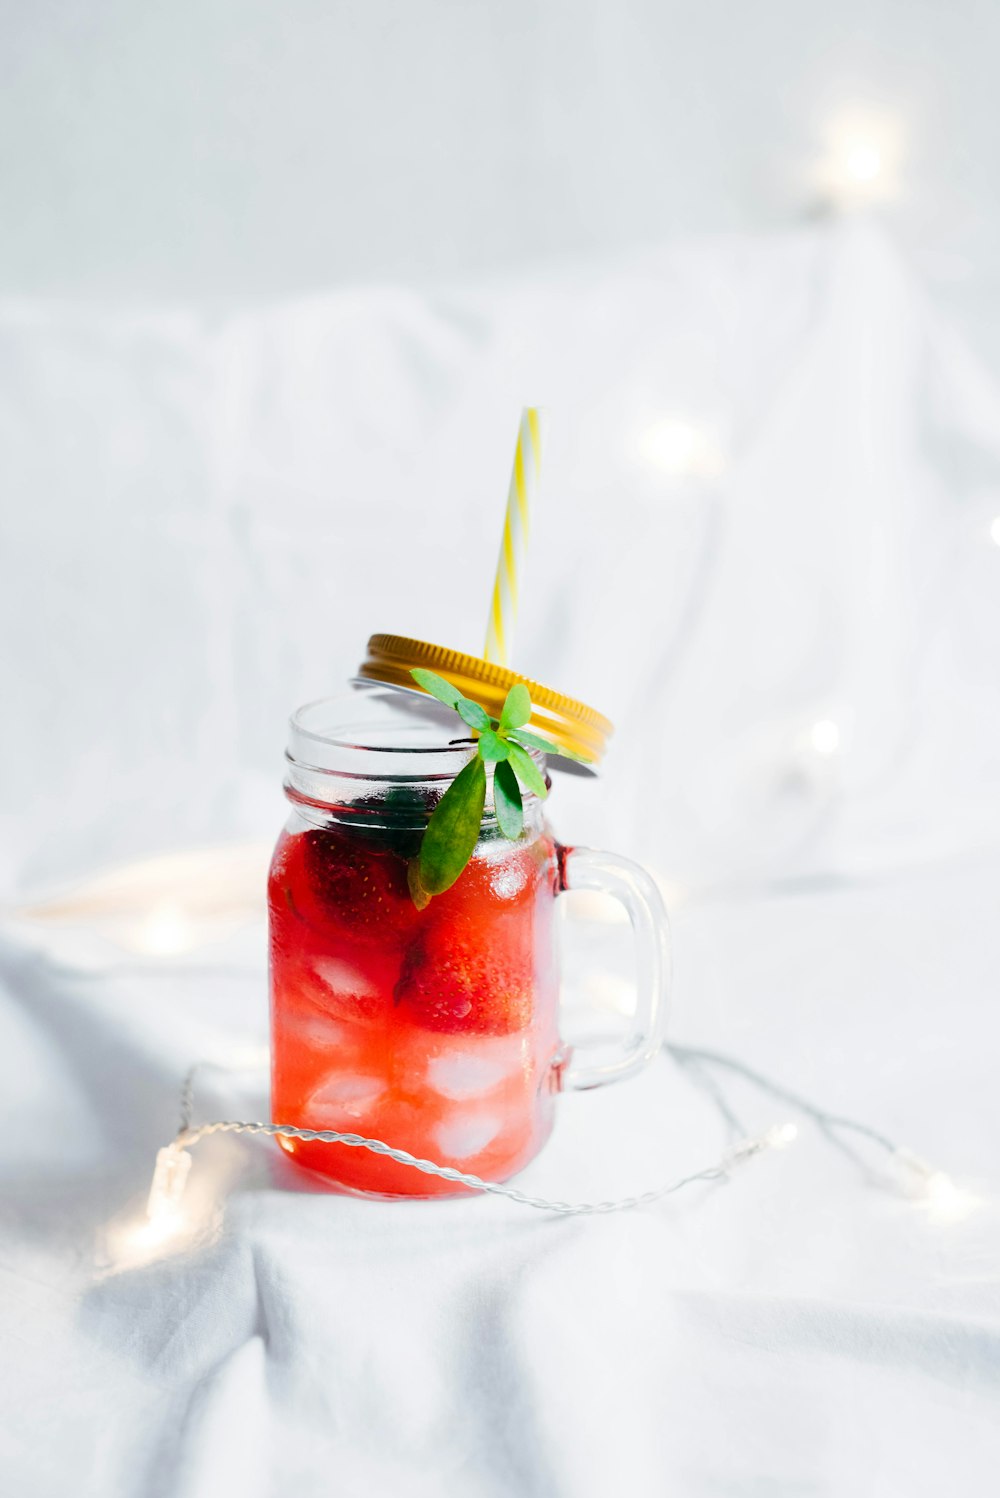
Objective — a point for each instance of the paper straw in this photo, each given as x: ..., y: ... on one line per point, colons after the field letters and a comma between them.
x: 513, y: 547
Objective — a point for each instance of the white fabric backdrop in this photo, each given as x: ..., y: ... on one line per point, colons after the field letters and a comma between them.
x: 804, y: 1329
x: 221, y: 148
x: 211, y: 519
x: 813, y: 545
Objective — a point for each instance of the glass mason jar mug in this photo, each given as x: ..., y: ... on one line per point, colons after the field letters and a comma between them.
x: 434, y: 1030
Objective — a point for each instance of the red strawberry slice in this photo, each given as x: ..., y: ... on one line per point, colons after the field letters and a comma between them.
x: 502, y: 878
x: 473, y: 977
x: 333, y: 880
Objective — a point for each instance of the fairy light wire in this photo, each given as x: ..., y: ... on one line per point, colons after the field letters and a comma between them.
x: 174, y: 1160
x: 822, y: 1117
x: 774, y: 1137
x: 924, y: 1181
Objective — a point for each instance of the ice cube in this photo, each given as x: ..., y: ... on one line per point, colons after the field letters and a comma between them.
x: 344, y: 980
x: 339, y: 988
x: 318, y: 1031
x: 467, y: 1072
x: 343, y: 1093
x: 465, y: 1135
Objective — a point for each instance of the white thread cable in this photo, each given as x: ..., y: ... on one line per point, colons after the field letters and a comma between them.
x: 825, y: 1120
x: 944, y: 1199
x: 174, y: 1161
x: 775, y: 1138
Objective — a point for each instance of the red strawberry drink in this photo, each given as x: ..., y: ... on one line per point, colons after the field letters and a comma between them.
x: 433, y: 1029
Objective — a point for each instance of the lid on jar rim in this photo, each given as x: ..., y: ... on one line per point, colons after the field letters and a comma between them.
x: 568, y: 723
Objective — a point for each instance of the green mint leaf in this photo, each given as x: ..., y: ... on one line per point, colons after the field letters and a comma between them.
x: 527, y: 771
x: 491, y: 746
x: 453, y: 829
x: 437, y: 686
x: 470, y: 712
x: 507, y: 801
x: 533, y: 741
x: 517, y: 708
x: 420, y: 896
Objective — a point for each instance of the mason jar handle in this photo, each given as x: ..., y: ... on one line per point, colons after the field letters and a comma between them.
x: 627, y: 882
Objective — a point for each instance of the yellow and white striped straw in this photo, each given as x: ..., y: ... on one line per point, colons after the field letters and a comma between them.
x: 513, y: 547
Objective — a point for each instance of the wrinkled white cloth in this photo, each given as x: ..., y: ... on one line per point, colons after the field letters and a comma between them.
x: 765, y: 549
x: 805, y: 1328
x: 766, y: 504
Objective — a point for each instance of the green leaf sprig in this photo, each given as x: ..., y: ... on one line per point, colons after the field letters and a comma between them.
x: 453, y: 829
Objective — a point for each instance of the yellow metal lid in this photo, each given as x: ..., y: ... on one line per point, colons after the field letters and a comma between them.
x: 569, y: 724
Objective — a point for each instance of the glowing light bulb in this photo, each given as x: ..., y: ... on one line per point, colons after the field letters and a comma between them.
x: 935, y: 1191
x: 165, y: 1227
x: 680, y: 449
x: 824, y: 736
x: 165, y: 931
x: 863, y: 151
x: 146, y: 1237
x: 779, y: 1136
x: 166, y: 1190
x: 863, y: 163
x: 946, y: 1202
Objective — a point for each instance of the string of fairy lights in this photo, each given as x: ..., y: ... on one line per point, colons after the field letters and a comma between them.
x: 859, y: 168
x: 166, y: 1214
